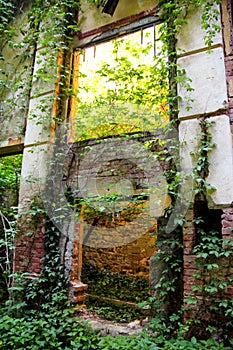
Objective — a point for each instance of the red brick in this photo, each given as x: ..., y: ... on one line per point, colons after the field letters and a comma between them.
x: 189, y: 272
x: 226, y: 223
x: 188, y: 244
x: 226, y: 231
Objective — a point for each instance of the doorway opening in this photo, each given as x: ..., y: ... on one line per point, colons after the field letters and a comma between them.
x: 121, y: 110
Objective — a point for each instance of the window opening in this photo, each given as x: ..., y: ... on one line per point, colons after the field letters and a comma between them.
x: 120, y: 87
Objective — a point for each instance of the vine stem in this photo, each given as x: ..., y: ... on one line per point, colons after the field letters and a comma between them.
x: 9, y: 266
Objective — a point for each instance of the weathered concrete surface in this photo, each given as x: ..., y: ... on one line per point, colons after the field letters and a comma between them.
x: 188, y: 137
x: 221, y: 162
x: 33, y: 174
x: 44, y: 73
x: 204, y: 67
x: 39, y: 120
x: 191, y: 35
x: 14, y: 72
x: 220, y: 157
x: 208, y: 81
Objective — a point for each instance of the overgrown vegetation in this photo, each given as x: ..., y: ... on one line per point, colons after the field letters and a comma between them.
x: 9, y: 188
x: 38, y: 315
x: 117, y: 286
x: 113, y: 103
x: 57, y: 330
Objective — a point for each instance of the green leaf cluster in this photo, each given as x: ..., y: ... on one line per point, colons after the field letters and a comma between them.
x: 61, y: 331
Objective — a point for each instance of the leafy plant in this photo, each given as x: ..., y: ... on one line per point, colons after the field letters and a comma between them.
x: 117, y: 103
x: 9, y: 189
x: 102, y: 282
x: 115, y: 285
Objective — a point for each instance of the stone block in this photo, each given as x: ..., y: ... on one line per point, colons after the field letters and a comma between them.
x: 189, y: 131
x: 33, y: 174
x: 188, y: 137
x: 77, y: 292
x: 221, y: 162
x: 208, y: 81
x: 190, y: 36
x: 220, y: 158
x: 230, y: 87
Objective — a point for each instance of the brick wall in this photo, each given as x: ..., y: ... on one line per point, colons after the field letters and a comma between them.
x: 132, y: 258
x: 190, y: 268
x: 29, y: 251
x: 106, y: 164
x: 189, y: 257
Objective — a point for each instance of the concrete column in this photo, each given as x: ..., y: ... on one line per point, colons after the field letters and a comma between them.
x: 35, y: 163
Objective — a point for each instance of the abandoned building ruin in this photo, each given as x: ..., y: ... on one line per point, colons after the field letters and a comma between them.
x: 121, y: 244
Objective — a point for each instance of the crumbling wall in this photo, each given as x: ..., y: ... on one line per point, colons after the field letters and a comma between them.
x: 225, y: 264
x: 132, y: 258
x: 213, y: 101
x: 118, y: 234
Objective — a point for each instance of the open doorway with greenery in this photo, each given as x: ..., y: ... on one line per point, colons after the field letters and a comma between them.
x: 121, y: 93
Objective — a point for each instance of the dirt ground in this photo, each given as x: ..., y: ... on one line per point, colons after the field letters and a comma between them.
x: 109, y: 327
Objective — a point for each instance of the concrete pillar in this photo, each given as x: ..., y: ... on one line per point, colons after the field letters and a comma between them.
x: 35, y: 163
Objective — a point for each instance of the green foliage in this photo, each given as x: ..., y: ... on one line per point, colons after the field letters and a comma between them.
x: 113, y: 311
x: 10, y: 168
x: 6, y: 11
x: 200, y: 172
x: 214, y: 307
x: 118, y: 103
x: 59, y: 330
x: 102, y: 282
x: 115, y: 285
x: 178, y: 11
x: 51, y: 330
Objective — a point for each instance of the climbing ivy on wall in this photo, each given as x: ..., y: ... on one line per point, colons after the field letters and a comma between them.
x: 16, y: 84
x: 210, y: 248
